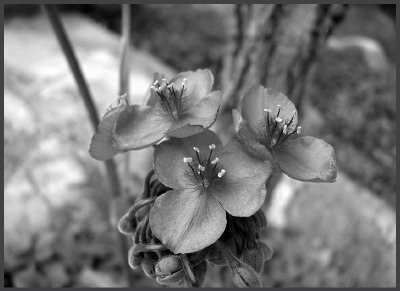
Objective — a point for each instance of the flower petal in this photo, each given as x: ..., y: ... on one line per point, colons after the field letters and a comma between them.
x: 199, y: 116
x: 248, y: 138
x: 198, y: 83
x: 139, y: 126
x: 241, y: 191
x: 259, y: 98
x: 187, y: 221
x: 169, y: 155
x: 153, y: 98
x: 307, y: 159
x: 101, y: 146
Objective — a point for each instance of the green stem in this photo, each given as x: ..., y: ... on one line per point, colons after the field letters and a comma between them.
x: 54, y: 18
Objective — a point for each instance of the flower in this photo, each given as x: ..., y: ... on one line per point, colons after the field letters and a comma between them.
x: 179, y: 108
x: 267, y: 125
x: 207, y: 181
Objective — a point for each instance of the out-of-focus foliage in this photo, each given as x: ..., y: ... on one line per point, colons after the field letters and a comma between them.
x: 184, y: 36
x: 359, y: 112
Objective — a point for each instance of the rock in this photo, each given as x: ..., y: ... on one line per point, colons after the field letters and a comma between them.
x: 47, y: 132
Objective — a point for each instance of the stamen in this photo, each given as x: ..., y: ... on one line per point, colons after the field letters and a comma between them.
x: 284, y: 129
x: 221, y: 173
x: 211, y: 146
x: 187, y: 160
x: 196, y: 149
x: 279, y: 110
x: 201, y: 168
x: 278, y: 119
x: 291, y: 120
x: 216, y: 160
x: 298, y: 129
x: 268, y: 112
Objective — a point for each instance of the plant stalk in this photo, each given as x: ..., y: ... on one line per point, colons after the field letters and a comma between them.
x: 55, y: 21
x: 124, y: 74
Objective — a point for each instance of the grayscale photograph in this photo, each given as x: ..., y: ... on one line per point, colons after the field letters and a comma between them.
x: 199, y: 145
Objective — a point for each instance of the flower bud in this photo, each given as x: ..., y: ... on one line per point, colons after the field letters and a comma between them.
x: 254, y: 258
x: 244, y: 276
x: 168, y: 265
x: 266, y: 251
x: 127, y: 225
x: 134, y: 260
x: 176, y: 279
x: 148, y: 264
x: 215, y: 257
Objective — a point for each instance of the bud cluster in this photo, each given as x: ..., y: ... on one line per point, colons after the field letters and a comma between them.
x: 239, y: 246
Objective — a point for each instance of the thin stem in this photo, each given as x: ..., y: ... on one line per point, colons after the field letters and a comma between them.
x: 54, y: 18
x: 124, y: 73
x: 188, y: 270
x: 124, y: 68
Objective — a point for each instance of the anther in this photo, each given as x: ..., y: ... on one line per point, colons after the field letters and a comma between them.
x: 170, y: 85
x: 155, y: 82
x: 187, y: 160
x: 221, y: 173
x: 211, y: 146
x: 196, y: 149
x: 278, y: 119
x: 267, y: 110
x: 298, y: 129
x: 201, y: 168
x: 154, y: 88
x: 216, y: 160
x: 184, y: 81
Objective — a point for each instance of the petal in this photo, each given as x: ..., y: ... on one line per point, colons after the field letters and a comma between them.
x: 139, y: 127
x: 169, y: 155
x: 249, y: 138
x: 101, y: 146
x: 259, y: 98
x: 187, y: 221
x: 307, y: 159
x: 200, y: 116
x: 198, y: 83
x: 153, y: 96
x: 241, y: 191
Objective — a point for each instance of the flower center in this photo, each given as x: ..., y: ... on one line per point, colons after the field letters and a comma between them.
x: 172, y: 98
x: 275, y: 130
x: 203, y: 171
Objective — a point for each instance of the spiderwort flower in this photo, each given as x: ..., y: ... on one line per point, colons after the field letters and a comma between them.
x: 207, y: 181
x: 179, y: 108
x: 267, y: 125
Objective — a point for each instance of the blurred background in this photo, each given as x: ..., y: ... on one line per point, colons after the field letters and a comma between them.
x: 337, y: 63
